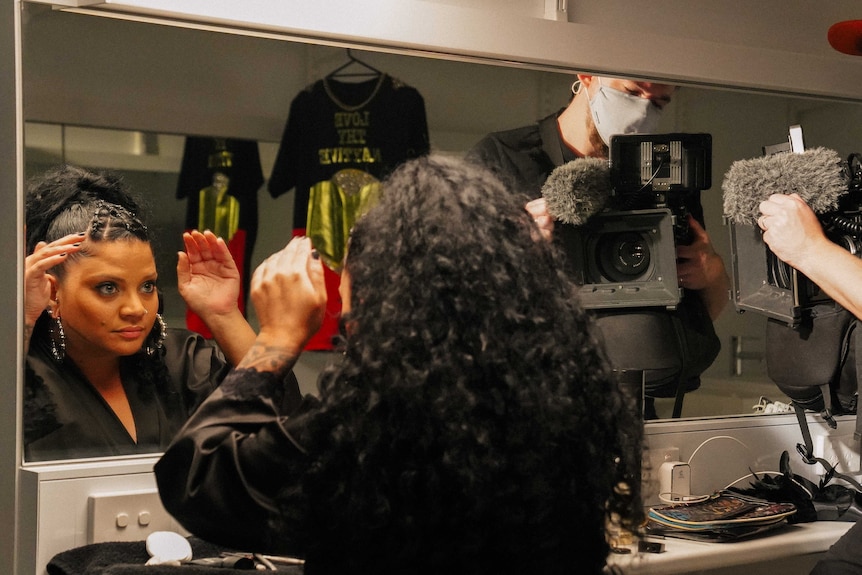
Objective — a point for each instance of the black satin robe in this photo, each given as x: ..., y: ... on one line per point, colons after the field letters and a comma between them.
x: 66, y: 418
x: 232, y: 459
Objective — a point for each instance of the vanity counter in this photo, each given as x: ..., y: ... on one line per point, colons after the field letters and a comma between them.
x: 789, y: 550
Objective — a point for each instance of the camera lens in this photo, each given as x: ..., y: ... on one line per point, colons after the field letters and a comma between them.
x: 623, y: 256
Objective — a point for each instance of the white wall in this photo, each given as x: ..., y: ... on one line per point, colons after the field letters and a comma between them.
x: 73, y: 63
x: 171, y: 80
x: 774, y: 45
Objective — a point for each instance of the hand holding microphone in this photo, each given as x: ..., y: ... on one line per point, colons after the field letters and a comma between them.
x: 791, y: 229
x: 572, y: 193
x: 783, y: 194
x: 538, y: 209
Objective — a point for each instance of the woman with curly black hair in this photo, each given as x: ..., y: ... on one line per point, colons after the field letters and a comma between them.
x: 104, y: 375
x: 472, y: 425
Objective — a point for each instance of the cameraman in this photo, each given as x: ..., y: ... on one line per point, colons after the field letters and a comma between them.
x: 794, y: 234
x: 599, y: 108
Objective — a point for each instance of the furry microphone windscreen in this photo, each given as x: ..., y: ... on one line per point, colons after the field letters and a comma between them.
x: 577, y: 190
x: 817, y: 175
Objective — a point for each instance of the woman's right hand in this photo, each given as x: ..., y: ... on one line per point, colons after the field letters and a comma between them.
x: 289, y: 296
x: 37, y: 283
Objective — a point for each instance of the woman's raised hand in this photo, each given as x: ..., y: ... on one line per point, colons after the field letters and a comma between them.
x: 207, y: 277
x: 37, y: 283
x: 289, y: 295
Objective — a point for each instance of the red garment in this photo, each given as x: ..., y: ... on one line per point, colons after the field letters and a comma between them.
x: 246, y: 178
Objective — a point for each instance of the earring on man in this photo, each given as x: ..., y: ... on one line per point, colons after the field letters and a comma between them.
x: 58, y: 339
x: 159, y: 339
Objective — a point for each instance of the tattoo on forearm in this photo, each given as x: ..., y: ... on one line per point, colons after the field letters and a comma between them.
x: 268, y: 358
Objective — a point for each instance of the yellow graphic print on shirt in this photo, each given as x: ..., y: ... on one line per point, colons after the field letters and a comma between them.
x: 333, y: 207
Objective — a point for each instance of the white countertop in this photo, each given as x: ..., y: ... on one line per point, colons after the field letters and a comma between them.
x: 685, y: 556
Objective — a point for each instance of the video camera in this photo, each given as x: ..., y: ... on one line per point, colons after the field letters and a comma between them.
x: 625, y: 255
x: 767, y: 285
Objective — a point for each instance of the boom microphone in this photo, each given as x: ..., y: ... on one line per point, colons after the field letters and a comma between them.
x: 577, y: 190
x: 817, y: 175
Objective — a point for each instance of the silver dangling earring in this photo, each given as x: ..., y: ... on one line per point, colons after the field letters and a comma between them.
x: 58, y: 339
x: 576, y: 87
x: 158, y: 340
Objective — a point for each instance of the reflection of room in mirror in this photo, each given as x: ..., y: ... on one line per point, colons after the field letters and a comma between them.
x: 81, y: 106
x: 723, y: 391
x: 463, y: 100
x: 148, y: 162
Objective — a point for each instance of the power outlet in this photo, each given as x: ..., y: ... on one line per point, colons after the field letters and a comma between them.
x: 650, y: 466
x: 126, y: 516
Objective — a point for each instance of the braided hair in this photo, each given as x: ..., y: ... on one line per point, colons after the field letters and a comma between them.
x: 70, y: 199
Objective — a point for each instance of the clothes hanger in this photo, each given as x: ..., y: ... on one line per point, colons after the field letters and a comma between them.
x: 368, y: 71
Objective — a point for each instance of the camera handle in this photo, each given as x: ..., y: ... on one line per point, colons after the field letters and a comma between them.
x: 680, y: 211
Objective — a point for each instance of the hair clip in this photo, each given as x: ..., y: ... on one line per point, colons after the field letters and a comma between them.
x: 117, y: 212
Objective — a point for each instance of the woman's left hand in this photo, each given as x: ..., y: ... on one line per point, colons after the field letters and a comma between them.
x: 289, y: 293
x: 207, y: 277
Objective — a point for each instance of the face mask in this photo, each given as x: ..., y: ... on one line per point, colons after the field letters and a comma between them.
x: 615, y: 112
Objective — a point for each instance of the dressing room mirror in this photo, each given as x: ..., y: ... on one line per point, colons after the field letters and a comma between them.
x: 130, y: 106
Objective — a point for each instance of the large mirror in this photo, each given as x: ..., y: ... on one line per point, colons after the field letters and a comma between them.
x: 131, y: 106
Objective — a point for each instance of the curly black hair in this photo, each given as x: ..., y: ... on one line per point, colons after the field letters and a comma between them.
x: 473, y: 425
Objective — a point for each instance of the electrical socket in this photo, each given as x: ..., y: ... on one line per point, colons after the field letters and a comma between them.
x: 650, y: 465
x: 126, y: 516
x: 674, y: 480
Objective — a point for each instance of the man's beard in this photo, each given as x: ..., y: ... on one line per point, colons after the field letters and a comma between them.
x: 601, y: 149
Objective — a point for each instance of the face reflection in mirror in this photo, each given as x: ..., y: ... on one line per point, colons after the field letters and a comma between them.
x: 104, y: 375
x: 740, y: 125
x: 107, y: 302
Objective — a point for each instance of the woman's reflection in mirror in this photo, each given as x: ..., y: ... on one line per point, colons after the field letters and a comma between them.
x: 104, y: 375
x: 472, y: 425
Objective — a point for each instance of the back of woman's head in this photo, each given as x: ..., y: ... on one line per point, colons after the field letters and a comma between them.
x: 446, y: 257
x: 455, y: 434
x: 71, y: 199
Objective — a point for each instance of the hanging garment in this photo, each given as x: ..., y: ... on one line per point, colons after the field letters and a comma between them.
x: 340, y: 141
x: 234, y: 214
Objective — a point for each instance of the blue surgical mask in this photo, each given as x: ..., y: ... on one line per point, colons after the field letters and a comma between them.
x: 615, y: 112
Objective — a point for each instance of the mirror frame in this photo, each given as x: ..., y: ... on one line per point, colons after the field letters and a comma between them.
x: 508, y: 37
x: 11, y: 242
